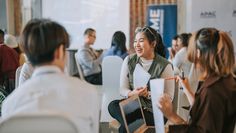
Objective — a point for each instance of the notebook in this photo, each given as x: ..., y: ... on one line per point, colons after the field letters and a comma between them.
x: 132, y: 107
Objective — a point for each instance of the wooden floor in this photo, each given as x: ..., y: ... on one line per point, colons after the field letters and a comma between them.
x: 104, y: 128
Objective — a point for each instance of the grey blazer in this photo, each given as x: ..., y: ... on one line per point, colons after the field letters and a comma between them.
x: 89, y: 62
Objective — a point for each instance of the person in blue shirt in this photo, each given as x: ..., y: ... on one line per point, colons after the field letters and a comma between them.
x: 118, y: 47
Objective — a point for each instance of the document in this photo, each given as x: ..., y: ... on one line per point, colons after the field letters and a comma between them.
x: 157, y: 89
x: 141, y: 77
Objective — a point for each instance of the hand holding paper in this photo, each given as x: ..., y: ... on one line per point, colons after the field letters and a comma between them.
x: 157, y: 90
x: 142, y: 91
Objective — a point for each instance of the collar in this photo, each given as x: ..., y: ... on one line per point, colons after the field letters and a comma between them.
x: 87, y: 46
x: 210, y: 80
x: 47, y: 69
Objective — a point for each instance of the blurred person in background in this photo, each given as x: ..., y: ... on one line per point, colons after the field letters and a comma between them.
x: 9, y: 62
x: 90, y: 59
x: 118, y: 47
x: 11, y: 42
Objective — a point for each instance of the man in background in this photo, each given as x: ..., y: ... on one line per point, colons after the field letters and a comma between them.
x: 90, y: 59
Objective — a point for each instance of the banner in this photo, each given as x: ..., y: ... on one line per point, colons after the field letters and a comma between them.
x: 163, y: 18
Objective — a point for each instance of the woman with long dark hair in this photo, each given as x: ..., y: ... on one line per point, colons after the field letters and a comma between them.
x: 149, y: 53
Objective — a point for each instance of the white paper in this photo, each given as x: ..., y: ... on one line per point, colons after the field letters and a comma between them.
x: 157, y: 89
x: 141, y: 77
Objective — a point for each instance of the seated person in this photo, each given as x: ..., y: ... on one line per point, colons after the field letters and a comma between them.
x: 49, y: 89
x: 118, y: 47
x: 214, y: 103
x: 11, y: 42
x: 147, y: 55
x: 89, y: 59
x: 180, y: 61
x: 172, y: 50
x: 9, y: 62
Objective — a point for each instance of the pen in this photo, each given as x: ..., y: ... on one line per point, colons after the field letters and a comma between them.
x: 182, y: 77
x: 173, y: 78
x: 170, y: 78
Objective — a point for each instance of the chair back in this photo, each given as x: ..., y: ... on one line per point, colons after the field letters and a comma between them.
x: 235, y: 128
x: 38, y: 123
x: 81, y: 74
x: 111, y: 68
x: 17, y: 76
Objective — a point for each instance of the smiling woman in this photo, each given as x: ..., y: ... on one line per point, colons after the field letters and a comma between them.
x: 148, y: 53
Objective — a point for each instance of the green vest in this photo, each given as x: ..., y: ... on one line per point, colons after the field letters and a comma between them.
x: 157, y: 67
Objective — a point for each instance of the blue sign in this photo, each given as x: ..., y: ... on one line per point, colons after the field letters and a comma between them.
x: 163, y: 18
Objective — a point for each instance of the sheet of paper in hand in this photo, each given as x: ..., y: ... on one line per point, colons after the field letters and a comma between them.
x: 157, y: 89
x: 140, y: 76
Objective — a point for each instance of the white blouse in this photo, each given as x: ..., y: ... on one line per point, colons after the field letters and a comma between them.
x: 124, y: 81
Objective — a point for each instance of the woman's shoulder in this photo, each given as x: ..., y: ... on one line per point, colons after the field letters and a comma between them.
x: 221, y: 87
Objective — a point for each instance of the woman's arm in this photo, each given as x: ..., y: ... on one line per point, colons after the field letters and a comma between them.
x: 169, y: 84
x: 124, y: 83
x: 187, y: 89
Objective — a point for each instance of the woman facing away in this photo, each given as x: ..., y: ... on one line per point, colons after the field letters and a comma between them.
x: 118, y: 47
x: 214, y: 104
x: 150, y: 56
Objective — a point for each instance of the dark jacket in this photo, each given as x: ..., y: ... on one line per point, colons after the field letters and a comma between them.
x: 214, y: 109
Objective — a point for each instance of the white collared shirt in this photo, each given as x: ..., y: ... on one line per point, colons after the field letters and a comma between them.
x: 50, y: 89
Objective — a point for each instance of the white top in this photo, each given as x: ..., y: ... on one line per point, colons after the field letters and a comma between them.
x: 180, y: 61
x: 124, y: 81
x: 26, y: 72
x: 51, y: 90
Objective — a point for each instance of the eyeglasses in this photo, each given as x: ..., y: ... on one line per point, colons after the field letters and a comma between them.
x: 144, y: 29
x: 92, y: 35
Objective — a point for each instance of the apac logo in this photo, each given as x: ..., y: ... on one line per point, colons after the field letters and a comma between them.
x: 234, y: 13
x: 208, y: 14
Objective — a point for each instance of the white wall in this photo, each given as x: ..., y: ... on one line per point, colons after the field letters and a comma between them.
x: 3, y: 15
x: 212, y: 13
x: 106, y: 16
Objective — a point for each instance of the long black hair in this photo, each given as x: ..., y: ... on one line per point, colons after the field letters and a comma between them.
x: 153, y: 36
x: 118, y: 41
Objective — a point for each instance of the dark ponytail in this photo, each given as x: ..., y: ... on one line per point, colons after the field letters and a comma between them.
x: 160, y: 47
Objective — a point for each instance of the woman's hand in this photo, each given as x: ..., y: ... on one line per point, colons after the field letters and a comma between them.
x: 165, y: 105
x: 142, y: 91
